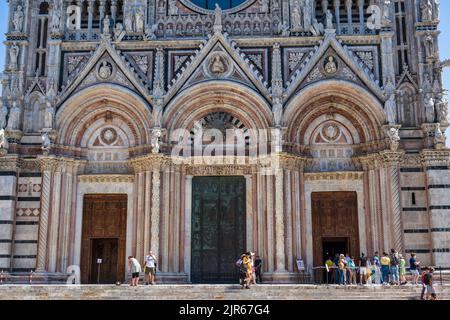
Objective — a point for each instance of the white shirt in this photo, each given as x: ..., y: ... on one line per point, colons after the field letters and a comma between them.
x: 150, y: 261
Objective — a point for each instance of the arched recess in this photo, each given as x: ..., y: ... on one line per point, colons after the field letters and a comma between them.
x: 34, y: 107
x: 104, y: 117
x: 353, y: 110
x: 239, y: 103
x: 407, y: 105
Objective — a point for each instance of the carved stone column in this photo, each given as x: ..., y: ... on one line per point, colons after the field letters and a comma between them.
x: 279, y: 222
x: 47, y: 165
x: 391, y: 163
x: 249, y: 211
x: 156, y: 211
x: 187, y: 225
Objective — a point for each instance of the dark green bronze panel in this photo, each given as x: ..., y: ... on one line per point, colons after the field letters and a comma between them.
x: 218, y: 228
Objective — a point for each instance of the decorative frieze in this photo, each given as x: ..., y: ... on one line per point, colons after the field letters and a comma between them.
x: 106, y: 178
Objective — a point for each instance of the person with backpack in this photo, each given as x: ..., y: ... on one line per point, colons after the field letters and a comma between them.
x: 258, y: 267
x: 394, y: 267
x: 363, y: 269
x: 422, y: 280
x: 428, y: 282
x: 377, y: 278
x: 402, y: 270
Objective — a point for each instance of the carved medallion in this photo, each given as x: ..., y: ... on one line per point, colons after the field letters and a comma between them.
x: 331, y: 66
x: 105, y: 70
x: 108, y: 136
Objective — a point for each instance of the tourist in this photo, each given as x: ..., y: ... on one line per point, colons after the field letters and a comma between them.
x: 394, y: 267
x: 362, y: 269
x: 377, y: 267
x: 352, y: 268
x: 369, y: 272
x: 135, y: 268
x: 385, y: 264
x: 247, y: 269
x: 336, y: 268
x: 253, y: 276
x: 414, y: 268
x: 347, y: 272
x: 330, y: 273
x: 402, y: 269
x: 150, y: 268
x: 342, y: 269
x: 422, y: 280
x: 258, y: 267
x: 428, y: 281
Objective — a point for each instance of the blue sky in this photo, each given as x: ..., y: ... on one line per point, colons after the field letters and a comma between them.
x: 444, y: 39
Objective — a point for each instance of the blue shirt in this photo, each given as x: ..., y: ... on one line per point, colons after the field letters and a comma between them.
x: 412, y: 264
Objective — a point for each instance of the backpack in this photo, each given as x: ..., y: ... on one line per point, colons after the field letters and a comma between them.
x: 394, y: 260
x: 427, y: 278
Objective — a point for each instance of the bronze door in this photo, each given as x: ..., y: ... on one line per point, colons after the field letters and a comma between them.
x: 218, y: 228
x: 104, y: 261
x: 334, y: 219
x: 104, y: 217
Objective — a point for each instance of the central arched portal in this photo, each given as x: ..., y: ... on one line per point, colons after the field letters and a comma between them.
x: 218, y: 228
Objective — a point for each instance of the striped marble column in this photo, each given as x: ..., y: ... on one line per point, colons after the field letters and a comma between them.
x: 438, y: 189
x: 8, y: 194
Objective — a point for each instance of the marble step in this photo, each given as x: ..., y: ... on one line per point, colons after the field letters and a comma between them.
x: 210, y: 292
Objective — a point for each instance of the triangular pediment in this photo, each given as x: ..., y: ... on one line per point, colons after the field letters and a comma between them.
x: 345, y: 65
x: 107, y: 65
x: 218, y: 59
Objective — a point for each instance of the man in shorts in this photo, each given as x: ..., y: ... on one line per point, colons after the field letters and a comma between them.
x: 428, y: 281
x: 414, y: 268
x: 135, y: 269
x: 363, y: 269
x: 150, y: 268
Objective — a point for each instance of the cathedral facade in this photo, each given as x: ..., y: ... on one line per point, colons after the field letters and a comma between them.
x: 114, y: 136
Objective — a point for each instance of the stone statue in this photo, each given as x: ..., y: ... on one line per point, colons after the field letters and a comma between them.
x: 105, y: 70
x: 155, y: 140
x: 48, y: 115
x: 157, y: 113
x: 119, y: 33
x: 139, y: 20
x: 14, y: 117
x: 439, y: 138
x: 277, y: 111
x: 296, y: 17
x: 426, y: 83
x: 18, y: 19
x: 283, y: 29
x: 46, y: 143
x: 217, y: 65
x: 217, y: 18
x: 150, y: 32
x: 429, y: 108
x: 173, y: 9
x: 390, y: 108
x: 329, y: 17
x: 394, y: 139
x: 308, y: 13
x: 386, y: 17
x: 13, y: 57
x: 56, y: 18
x: 264, y: 6
x: 3, y: 140
x: 106, y: 25
x: 3, y: 114
x: 441, y: 110
x: 426, y: 8
x: 429, y: 47
x: 128, y: 22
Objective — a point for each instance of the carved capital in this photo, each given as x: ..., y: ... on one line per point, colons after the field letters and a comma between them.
x: 435, y: 157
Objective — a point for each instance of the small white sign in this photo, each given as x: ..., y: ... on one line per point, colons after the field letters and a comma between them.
x: 99, y: 261
x: 300, y: 265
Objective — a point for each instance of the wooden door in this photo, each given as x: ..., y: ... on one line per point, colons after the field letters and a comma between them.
x: 104, y: 217
x: 334, y: 216
x: 218, y: 228
x: 104, y: 261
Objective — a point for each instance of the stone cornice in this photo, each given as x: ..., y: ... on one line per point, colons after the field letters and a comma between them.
x: 59, y: 164
x: 149, y: 162
x: 106, y: 178
x: 328, y: 176
x: 435, y: 157
x: 9, y: 163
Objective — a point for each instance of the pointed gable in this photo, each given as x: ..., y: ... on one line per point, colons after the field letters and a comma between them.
x: 218, y: 58
x: 107, y: 65
x: 314, y: 67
